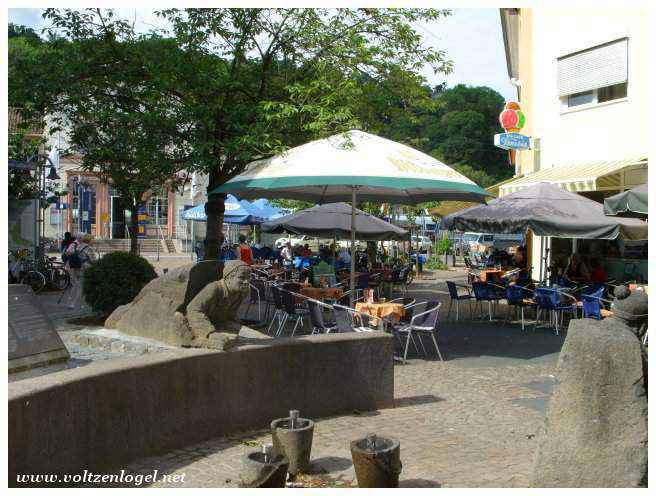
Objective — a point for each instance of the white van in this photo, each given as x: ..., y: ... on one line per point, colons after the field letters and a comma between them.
x: 479, y: 242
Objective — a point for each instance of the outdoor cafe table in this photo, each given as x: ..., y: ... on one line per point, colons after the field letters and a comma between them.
x: 321, y: 293
x: 393, y: 311
x: 491, y: 275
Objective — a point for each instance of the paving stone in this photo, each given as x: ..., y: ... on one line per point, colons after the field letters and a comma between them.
x: 465, y: 422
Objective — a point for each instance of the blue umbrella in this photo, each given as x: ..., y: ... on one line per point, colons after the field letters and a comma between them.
x: 263, y: 208
x: 235, y: 213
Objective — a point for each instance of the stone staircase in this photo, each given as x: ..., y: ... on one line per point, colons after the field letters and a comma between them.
x: 170, y: 245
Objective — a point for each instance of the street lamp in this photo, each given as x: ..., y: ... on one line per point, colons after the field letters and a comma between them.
x: 52, y: 175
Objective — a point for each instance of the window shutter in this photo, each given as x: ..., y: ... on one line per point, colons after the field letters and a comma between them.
x: 597, y: 67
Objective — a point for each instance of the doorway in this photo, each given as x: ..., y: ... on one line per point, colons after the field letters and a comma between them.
x: 117, y: 218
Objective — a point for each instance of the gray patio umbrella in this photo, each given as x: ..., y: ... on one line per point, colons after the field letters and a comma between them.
x: 547, y: 210
x: 334, y: 220
x: 632, y: 203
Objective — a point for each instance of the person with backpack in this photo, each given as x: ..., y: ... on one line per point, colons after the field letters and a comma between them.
x: 79, y: 256
x: 68, y: 239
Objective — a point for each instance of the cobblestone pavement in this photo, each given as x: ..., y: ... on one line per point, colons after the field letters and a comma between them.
x: 458, y: 427
x: 471, y: 421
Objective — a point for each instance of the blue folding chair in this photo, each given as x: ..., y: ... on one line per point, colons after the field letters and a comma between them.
x: 549, y: 300
x: 458, y: 297
x: 592, y: 304
x: 485, y: 292
x: 517, y: 296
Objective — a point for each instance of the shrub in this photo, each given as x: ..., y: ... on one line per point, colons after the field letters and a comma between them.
x: 435, y: 263
x: 443, y: 246
x: 115, y: 280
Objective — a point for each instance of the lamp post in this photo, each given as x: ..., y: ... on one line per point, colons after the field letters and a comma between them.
x: 76, y: 191
x: 42, y: 161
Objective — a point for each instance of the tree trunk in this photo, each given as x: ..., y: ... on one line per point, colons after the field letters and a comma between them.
x: 134, y: 229
x: 214, y: 209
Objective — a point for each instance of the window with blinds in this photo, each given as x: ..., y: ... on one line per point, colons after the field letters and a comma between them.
x: 597, y: 67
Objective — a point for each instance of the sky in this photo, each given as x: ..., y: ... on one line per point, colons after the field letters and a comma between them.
x: 471, y: 38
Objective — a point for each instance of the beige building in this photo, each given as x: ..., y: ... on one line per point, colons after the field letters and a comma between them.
x: 582, y: 81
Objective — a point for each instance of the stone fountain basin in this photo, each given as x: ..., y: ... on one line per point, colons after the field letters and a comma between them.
x: 295, y: 444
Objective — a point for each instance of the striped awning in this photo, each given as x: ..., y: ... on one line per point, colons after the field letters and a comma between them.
x: 449, y: 207
x: 590, y: 176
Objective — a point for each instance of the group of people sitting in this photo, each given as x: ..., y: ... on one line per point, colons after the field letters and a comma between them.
x: 496, y: 257
x: 579, y: 268
x: 582, y: 269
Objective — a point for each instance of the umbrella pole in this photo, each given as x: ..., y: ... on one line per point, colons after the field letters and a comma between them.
x: 353, y: 193
x: 335, y: 253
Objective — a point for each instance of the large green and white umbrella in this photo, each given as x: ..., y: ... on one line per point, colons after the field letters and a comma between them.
x: 326, y: 171
x: 353, y: 166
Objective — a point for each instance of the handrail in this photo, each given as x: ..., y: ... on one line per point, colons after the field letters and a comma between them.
x: 160, y: 239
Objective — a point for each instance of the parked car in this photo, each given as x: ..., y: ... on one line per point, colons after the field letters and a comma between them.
x: 299, y: 240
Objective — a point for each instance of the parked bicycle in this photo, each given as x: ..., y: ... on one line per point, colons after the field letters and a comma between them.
x: 45, y: 271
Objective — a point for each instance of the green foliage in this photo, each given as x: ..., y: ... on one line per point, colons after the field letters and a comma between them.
x: 24, y: 32
x: 435, y: 263
x: 115, y: 280
x: 116, y: 119
x: 454, y: 125
x: 230, y: 86
x: 293, y: 205
x: 463, y: 128
x: 23, y: 185
x: 443, y: 246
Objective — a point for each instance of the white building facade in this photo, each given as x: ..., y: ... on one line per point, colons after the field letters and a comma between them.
x: 582, y: 77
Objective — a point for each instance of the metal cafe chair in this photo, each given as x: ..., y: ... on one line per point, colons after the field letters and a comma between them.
x: 408, y: 307
x: 549, y: 300
x: 279, y: 310
x: 349, y: 320
x: 257, y: 290
x: 319, y: 325
x: 484, y: 292
x: 423, y: 323
x: 292, y: 310
x: 518, y: 296
x: 401, y: 279
x: 457, y: 297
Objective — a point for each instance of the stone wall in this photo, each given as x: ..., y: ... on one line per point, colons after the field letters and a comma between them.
x: 102, y: 416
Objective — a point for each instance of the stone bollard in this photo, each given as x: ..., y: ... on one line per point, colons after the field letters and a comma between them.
x: 263, y: 469
x: 292, y: 437
x: 377, y: 461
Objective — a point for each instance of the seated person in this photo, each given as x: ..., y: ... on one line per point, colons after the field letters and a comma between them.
x: 286, y: 254
x: 344, y: 258
x: 519, y: 262
x: 598, y: 273
x: 576, y: 270
x: 323, y: 269
x: 304, y: 251
x: 488, y: 257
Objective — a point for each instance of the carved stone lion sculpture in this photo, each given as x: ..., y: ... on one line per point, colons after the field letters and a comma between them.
x: 212, y: 314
